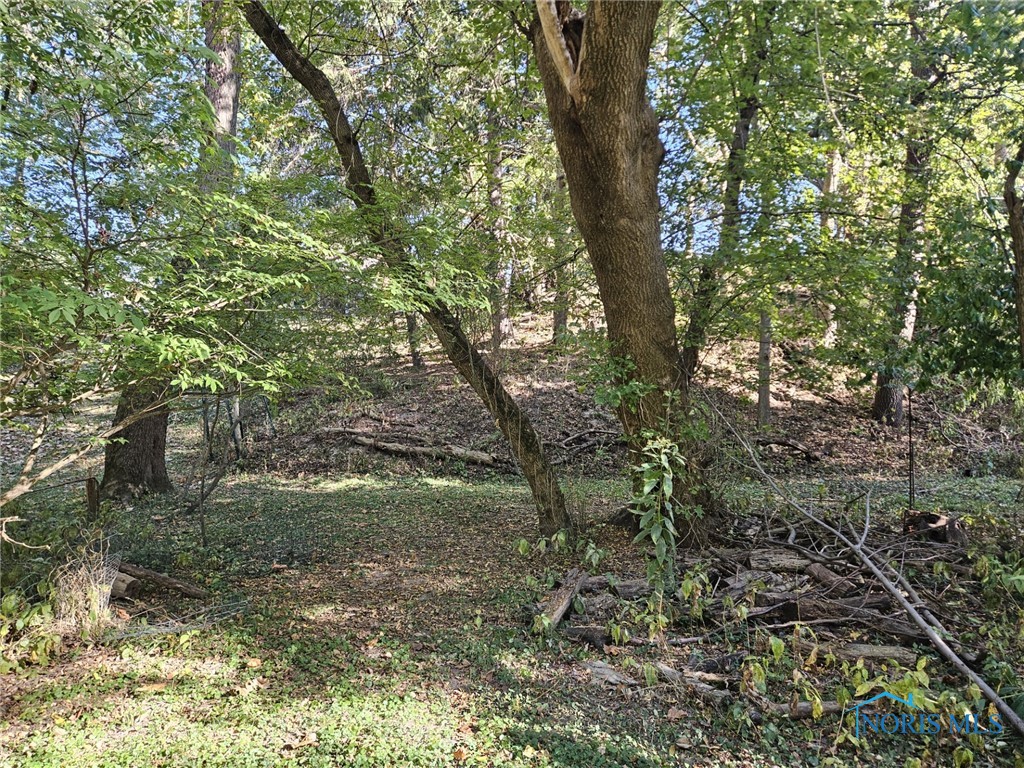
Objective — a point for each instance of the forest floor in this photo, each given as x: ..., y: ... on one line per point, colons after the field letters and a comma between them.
x: 376, y: 611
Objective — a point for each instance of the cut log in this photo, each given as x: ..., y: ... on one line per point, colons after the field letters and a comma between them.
x: 830, y: 579
x: 595, y: 636
x: 778, y: 561
x: 124, y: 586
x: 430, y: 451
x: 561, y: 599
x: 633, y: 589
x: 854, y: 651
x: 165, y: 581
x: 595, y: 584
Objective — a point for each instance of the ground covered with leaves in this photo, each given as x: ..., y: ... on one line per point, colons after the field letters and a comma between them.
x: 369, y: 610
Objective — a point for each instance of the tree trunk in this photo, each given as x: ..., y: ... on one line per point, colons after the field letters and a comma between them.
x: 134, y: 459
x: 607, y: 137
x: 828, y: 190
x: 412, y: 335
x: 136, y: 463
x: 511, y: 420
x: 560, y: 315
x: 1015, y: 214
x: 888, y: 403
x: 709, y: 286
x: 764, y: 371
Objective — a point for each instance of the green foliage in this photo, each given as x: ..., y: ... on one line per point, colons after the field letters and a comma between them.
x: 28, y: 634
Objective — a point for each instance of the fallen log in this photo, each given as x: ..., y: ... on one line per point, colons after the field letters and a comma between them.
x: 124, y: 586
x: 633, y: 589
x: 694, y: 683
x: 165, y: 581
x: 828, y: 578
x: 854, y: 651
x: 430, y: 451
x: 778, y: 561
x: 561, y: 599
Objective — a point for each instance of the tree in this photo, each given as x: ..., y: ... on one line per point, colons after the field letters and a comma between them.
x: 135, y: 459
x: 1015, y: 217
x: 595, y: 74
x: 515, y: 425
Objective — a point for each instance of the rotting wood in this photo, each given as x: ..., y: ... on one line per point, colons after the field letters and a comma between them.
x: 433, y: 452
x: 633, y: 589
x: 561, y: 599
x: 778, y: 561
x: 124, y: 586
x: 829, y: 578
x: 165, y: 581
x: 854, y: 651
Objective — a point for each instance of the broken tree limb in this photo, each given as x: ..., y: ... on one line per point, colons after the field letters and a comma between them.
x: 889, y: 578
x: 784, y: 442
x: 433, y: 452
x: 165, y: 581
x: 694, y: 682
x: 561, y: 599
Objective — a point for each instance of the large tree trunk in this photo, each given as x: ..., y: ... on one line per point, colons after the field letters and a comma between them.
x: 514, y: 424
x: 138, y: 461
x: 608, y: 142
x: 134, y: 460
x: 595, y: 82
x: 709, y: 279
x: 1015, y: 214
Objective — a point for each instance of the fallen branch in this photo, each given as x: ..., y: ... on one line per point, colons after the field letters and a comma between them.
x: 433, y: 452
x: 558, y: 604
x: 808, y: 453
x: 163, y: 580
x: 890, y: 579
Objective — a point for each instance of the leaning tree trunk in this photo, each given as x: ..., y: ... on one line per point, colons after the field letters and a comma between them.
x: 1015, y: 214
x: 136, y: 459
x: 594, y: 71
x: 514, y: 424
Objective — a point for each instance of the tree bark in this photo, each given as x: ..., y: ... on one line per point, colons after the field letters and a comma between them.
x: 139, y: 463
x: 764, y: 371
x: 134, y: 461
x: 607, y: 137
x: 1015, y: 214
x: 702, y: 308
x: 412, y: 335
x: 887, y: 407
x: 511, y: 420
